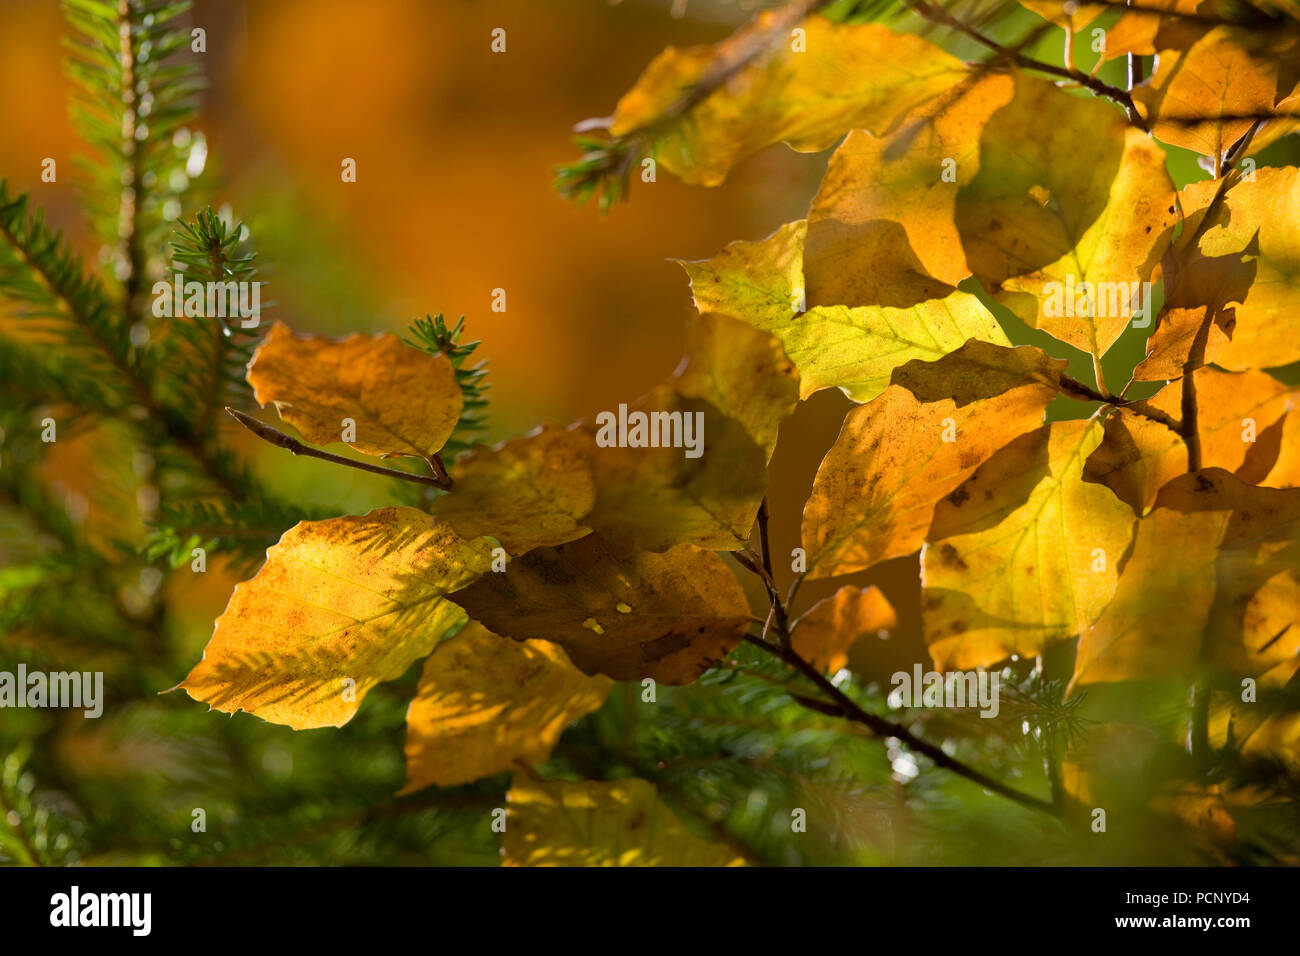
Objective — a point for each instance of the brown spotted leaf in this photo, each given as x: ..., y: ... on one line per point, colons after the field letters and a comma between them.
x: 619, y: 612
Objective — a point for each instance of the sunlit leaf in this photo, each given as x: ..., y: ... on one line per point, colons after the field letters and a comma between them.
x: 339, y: 606
x: 486, y: 703
x: 402, y: 401
x: 899, y: 454
x: 1023, y: 553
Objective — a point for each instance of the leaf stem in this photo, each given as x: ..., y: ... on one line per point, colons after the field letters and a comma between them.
x: 278, y: 438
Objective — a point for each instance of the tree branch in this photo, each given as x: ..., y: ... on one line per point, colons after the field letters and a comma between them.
x: 278, y: 438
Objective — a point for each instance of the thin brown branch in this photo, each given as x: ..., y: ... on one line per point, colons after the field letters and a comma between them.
x: 278, y: 438
x: 882, y: 727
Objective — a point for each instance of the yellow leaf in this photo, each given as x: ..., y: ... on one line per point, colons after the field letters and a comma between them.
x: 847, y: 77
x: 655, y: 498
x: 1051, y: 209
x: 1226, y: 73
x: 339, y: 606
x: 855, y: 349
x: 743, y: 372
x: 527, y: 493
x: 1172, y: 566
x: 898, y: 455
x: 824, y: 633
x: 1258, y: 226
x: 1214, y: 547
x: 627, y: 614
x: 1138, y: 456
x: 760, y: 282
x: 486, y: 703
x: 1023, y: 552
x: 402, y: 401
x: 881, y: 229
x: 596, y: 823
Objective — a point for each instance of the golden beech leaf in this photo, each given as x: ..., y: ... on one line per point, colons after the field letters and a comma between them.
x: 824, y: 633
x: 1248, y: 256
x: 844, y: 77
x: 897, y: 456
x: 1138, y: 456
x: 600, y: 823
x: 403, y: 401
x: 1023, y: 553
x: 1156, y: 26
x: 338, y: 607
x: 743, y: 372
x: 881, y: 229
x: 527, y: 493
x: 1198, y: 288
x: 1226, y: 554
x: 486, y: 703
x: 1223, y: 80
x: 1051, y: 210
x: 854, y: 349
x: 619, y: 612
x: 1285, y: 469
x: 759, y: 282
x: 654, y: 498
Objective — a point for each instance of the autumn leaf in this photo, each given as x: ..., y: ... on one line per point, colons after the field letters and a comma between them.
x: 881, y: 228
x: 1138, y: 456
x: 600, y: 823
x: 824, y: 633
x: 846, y: 77
x: 1247, y: 255
x: 616, y: 611
x: 403, y: 401
x: 741, y: 371
x: 898, y: 455
x: 1050, y: 210
x: 339, y: 606
x: 1023, y: 553
x: 658, y: 497
x: 486, y: 703
x: 1225, y: 78
x: 855, y: 349
x: 1156, y: 26
x: 1210, y: 546
x: 527, y: 493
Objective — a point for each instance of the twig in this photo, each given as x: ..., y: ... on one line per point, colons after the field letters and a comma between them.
x: 278, y: 438
x: 881, y: 727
